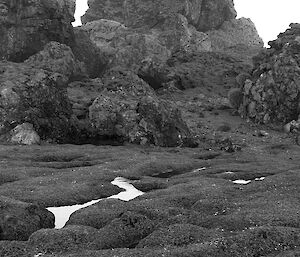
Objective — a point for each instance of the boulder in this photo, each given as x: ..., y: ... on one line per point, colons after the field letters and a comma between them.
x: 129, y: 109
x: 25, y: 134
x: 203, y: 14
x: 36, y: 96
x: 26, y: 26
x: 18, y: 220
x: 58, y: 58
x: 124, y: 47
x: 271, y: 95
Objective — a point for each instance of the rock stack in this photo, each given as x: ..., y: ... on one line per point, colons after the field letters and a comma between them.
x: 271, y: 95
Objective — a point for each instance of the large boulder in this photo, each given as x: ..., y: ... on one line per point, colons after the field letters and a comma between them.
x: 18, y: 220
x: 129, y: 109
x: 36, y: 96
x: 126, y: 47
x: 121, y: 46
x: 203, y: 14
x: 272, y: 92
x: 26, y: 26
x: 58, y: 58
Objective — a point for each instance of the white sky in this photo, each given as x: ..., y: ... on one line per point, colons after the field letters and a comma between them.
x: 270, y: 16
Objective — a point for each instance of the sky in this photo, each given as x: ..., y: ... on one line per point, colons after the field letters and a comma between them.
x: 269, y: 16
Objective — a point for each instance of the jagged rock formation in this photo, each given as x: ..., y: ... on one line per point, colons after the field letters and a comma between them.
x: 58, y: 58
x: 207, y: 70
x: 129, y: 109
x: 26, y: 26
x: 272, y: 92
x: 130, y: 32
x: 35, y: 92
x: 204, y: 15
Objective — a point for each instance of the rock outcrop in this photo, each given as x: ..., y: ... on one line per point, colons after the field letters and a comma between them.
x: 87, y: 52
x: 129, y: 109
x: 207, y: 70
x: 130, y: 32
x: 124, y: 47
x: 204, y: 15
x: 36, y: 96
x: 272, y: 92
x: 235, y: 32
x: 18, y: 220
x: 26, y: 26
x: 58, y: 58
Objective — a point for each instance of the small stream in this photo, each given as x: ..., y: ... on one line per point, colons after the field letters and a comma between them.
x: 63, y: 213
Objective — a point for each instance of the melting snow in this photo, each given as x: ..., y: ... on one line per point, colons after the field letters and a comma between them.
x: 63, y: 213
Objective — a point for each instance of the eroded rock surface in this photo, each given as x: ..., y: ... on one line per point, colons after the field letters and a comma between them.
x: 36, y: 96
x: 272, y: 92
x: 204, y: 15
x: 129, y: 109
x: 235, y: 32
x: 26, y: 26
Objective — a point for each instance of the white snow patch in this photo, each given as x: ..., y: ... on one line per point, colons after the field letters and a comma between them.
x: 260, y: 179
x: 63, y: 213
x: 241, y: 181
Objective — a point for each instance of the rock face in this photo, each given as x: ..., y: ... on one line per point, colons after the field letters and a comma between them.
x: 203, y: 14
x: 130, y: 32
x: 207, y: 70
x: 86, y: 51
x: 124, y: 47
x: 26, y: 26
x: 272, y: 93
x: 57, y: 58
x: 129, y: 109
x: 235, y: 32
x: 34, y: 95
x: 18, y: 220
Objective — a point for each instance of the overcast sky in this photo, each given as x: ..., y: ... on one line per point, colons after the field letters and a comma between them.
x: 270, y: 16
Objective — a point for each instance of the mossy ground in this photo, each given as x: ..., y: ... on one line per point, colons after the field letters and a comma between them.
x: 188, y: 190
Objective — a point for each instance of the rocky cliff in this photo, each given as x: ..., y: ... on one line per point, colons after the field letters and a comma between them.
x: 26, y: 26
x: 156, y: 29
x: 204, y: 15
x: 271, y: 95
